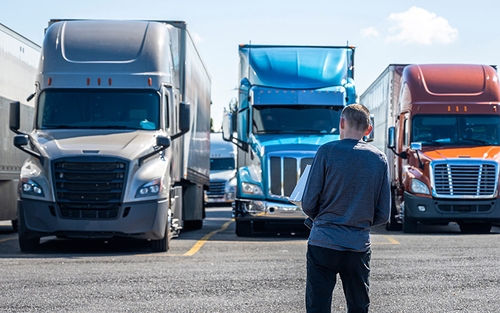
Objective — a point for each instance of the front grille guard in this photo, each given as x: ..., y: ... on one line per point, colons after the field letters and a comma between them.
x: 284, y: 170
x: 464, y: 179
x: 216, y: 188
x: 89, y: 189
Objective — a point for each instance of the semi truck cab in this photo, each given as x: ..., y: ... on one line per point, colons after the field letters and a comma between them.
x: 290, y: 100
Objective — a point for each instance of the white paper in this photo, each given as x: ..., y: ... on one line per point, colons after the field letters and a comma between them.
x: 298, y: 191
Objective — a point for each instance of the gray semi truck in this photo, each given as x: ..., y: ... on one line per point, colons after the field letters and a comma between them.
x: 120, y: 141
x: 19, y: 58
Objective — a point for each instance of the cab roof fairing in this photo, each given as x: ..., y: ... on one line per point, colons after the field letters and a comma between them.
x: 300, y: 67
x: 451, y: 83
x: 119, y: 53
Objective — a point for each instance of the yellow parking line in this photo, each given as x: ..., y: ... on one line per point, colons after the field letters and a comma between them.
x: 391, y: 240
x: 7, y: 239
x: 197, y: 246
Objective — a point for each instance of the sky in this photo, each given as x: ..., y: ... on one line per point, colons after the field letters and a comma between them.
x: 383, y: 32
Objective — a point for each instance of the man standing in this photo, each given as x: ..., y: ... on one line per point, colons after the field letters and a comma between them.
x: 346, y: 194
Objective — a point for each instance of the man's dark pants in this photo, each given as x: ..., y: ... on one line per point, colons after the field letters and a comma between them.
x: 323, y: 265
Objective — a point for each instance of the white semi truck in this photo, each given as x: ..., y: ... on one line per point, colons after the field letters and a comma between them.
x: 18, y: 64
x: 222, y: 171
x: 120, y: 139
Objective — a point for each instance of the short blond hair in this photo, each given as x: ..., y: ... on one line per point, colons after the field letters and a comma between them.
x: 357, y: 116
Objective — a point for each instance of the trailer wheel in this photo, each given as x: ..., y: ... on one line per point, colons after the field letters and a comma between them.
x: 196, y: 224
x: 162, y: 245
x: 193, y: 225
x: 14, y: 225
x: 243, y: 228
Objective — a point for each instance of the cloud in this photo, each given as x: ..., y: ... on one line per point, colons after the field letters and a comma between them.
x: 196, y: 37
x: 369, y: 32
x: 421, y: 27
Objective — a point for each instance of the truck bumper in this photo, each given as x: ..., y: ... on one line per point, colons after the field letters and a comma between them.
x: 142, y: 220
x: 262, y: 210
x: 451, y: 210
x: 226, y: 198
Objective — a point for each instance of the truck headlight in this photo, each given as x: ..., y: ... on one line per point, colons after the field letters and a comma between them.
x: 416, y: 186
x: 30, y: 187
x: 251, y: 189
x: 149, y: 189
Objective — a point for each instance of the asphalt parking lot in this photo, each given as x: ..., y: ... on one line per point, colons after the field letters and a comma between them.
x: 438, y: 269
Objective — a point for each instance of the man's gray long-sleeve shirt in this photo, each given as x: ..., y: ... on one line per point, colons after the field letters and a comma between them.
x: 347, y: 193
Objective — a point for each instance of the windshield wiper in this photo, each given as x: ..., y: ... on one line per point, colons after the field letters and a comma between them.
x: 309, y: 131
x: 431, y: 142
x: 108, y: 127
x: 476, y: 140
x: 271, y: 132
x: 60, y: 126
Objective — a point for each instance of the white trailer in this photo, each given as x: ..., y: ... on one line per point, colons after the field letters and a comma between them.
x: 381, y: 98
x: 18, y: 64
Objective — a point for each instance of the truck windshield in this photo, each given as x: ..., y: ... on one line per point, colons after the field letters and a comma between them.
x: 90, y: 108
x: 296, y: 119
x: 222, y: 164
x: 456, y: 130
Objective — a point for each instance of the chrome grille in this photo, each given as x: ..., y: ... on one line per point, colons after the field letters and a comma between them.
x: 284, y: 172
x: 89, y: 190
x: 465, y: 179
x: 216, y: 189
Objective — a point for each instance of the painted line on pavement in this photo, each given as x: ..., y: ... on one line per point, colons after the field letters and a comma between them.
x: 197, y: 246
x: 7, y: 239
x: 391, y: 240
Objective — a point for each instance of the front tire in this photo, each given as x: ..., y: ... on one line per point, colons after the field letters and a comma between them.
x: 243, y: 228
x: 162, y: 245
x: 475, y: 228
x: 29, y: 244
x: 409, y: 225
x: 27, y: 241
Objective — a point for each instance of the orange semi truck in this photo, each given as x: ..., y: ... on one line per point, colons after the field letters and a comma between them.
x: 439, y: 125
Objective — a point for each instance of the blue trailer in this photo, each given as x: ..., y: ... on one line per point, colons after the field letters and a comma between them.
x: 290, y: 100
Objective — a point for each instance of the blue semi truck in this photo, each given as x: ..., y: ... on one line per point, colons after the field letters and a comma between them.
x: 290, y: 100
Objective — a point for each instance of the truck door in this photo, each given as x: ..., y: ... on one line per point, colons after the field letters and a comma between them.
x: 171, y: 112
x: 403, y: 143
